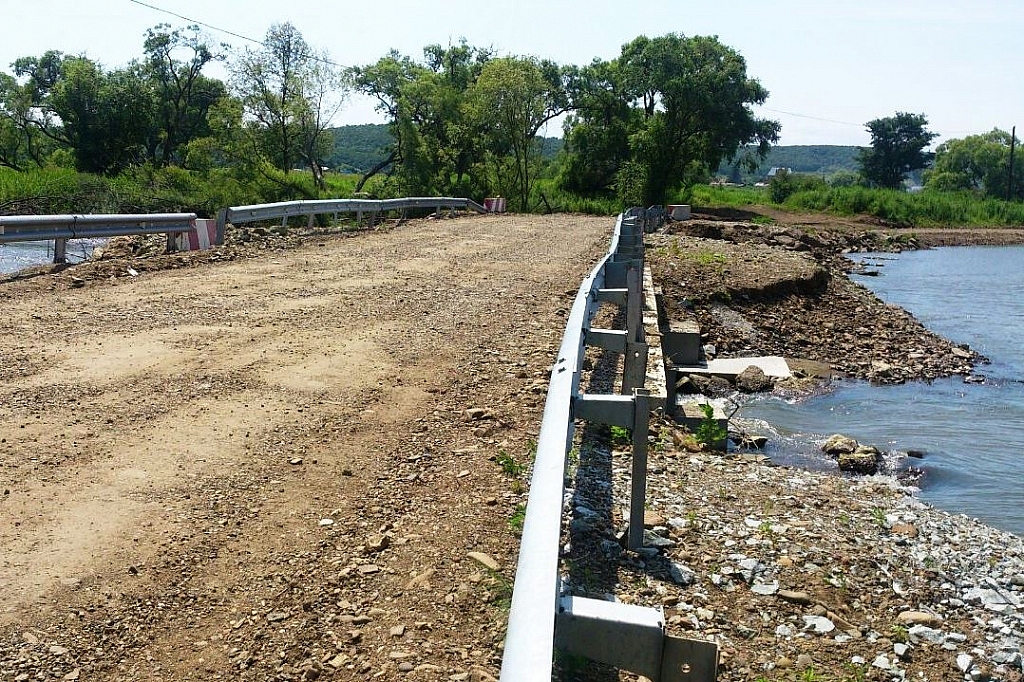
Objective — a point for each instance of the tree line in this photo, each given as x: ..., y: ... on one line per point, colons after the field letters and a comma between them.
x: 982, y: 164
x: 462, y: 119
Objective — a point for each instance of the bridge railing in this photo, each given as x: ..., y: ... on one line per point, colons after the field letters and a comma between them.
x: 542, y: 619
x: 287, y: 209
x: 61, y: 228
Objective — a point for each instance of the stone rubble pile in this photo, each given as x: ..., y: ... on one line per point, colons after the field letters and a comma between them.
x: 793, y: 571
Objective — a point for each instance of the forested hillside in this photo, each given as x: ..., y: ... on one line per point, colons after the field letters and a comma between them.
x: 359, y: 147
x: 819, y: 159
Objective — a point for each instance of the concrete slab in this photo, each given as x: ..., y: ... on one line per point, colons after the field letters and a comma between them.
x: 772, y: 365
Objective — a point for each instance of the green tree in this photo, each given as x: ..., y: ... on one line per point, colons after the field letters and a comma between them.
x: 436, y: 147
x: 289, y: 92
x: 597, y: 132
x: 174, y: 63
x: 979, y: 163
x: 897, y: 148
x: 687, y: 107
x: 511, y: 100
x: 104, y: 118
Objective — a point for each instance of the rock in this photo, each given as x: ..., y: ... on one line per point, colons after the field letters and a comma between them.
x: 369, y: 569
x: 278, y: 616
x: 324, y: 523
x: 406, y: 667
x: 901, y: 650
x: 378, y: 544
x: 73, y: 675
x: 711, y: 386
x: 681, y: 574
x: 652, y: 539
x: 475, y: 414
x: 765, y: 589
x: 804, y: 661
x: 652, y: 519
x: 919, y: 618
x: 795, y: 597
x: 923, y: 633
x: 882, y: 661
x: 484, y: 560
x: 838, y: 444
x: 819, y: 624
x: 862, y: 461
x: 481, y: 675
x: 964, y: 662
x: 753, y: 380
x: 295, y: 461
x: 29, y: 638
x: 397, y: 631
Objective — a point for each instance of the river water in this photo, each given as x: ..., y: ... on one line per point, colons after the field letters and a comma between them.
x: 19, y: 255
x: 972, y: 435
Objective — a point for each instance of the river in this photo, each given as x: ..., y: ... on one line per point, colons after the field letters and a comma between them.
x: 971, y: 434
x: 19, y: 255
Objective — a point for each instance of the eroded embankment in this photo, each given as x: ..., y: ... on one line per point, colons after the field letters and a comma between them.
x: 776, y: 291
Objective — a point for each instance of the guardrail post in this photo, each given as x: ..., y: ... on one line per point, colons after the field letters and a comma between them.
x: 60, y: 250
x: 634, y: 366
x: 638, y: 482
x: 222, y: 221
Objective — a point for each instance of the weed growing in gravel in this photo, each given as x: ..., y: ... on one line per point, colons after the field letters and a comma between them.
x: 509, y: 466
x: 705, y: 257
x: 515, y: 522
x: 899, y: 634
x: 709, y: 433
x: 621, y: 436
x: 878, y: 514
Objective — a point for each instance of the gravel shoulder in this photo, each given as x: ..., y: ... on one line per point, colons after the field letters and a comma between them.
x: 273, y: 462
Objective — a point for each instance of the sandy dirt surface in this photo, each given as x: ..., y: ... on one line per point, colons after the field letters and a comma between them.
x: 276, y: 467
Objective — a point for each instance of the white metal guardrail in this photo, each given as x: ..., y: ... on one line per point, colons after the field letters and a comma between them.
x: 61, y: 228
x: 287, y: 209
x: 626, y: 636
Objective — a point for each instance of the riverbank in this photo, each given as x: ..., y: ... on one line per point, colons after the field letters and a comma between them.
x: 805, y: 575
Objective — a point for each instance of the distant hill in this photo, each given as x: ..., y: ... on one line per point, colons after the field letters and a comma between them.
x: 820, y: 159
x: 357, y: 148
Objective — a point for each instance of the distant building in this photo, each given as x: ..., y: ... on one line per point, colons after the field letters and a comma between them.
x: 775, y: 170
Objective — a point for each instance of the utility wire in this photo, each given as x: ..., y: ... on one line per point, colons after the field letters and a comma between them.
x: 263, y: 43
x: 813, y: 118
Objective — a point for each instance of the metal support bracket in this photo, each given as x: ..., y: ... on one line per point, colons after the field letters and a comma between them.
x: 632, y: 638
x: 614, y: 296
x: 607, y: 339
x: 613, y: 410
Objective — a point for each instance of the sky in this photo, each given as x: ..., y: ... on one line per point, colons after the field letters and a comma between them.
x: 829, y: 66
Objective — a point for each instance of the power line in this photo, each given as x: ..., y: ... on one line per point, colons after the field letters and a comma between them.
x: 314, y: 57
x: 196, y: 21
x: 814, y: 118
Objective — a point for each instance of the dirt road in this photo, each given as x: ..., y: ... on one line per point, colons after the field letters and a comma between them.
x: 265, y: 469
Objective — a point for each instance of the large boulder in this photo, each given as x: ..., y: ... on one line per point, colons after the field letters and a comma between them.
x: 753, y: 380
x: 838, y: 444
x: 711, y: 386
x: 863, y: 460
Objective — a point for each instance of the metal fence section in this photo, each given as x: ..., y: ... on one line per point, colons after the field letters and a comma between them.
x: 61, y: 228
x: 361, y: 207
x: 626, y: 636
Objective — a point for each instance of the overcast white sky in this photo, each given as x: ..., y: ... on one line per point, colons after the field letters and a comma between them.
x: 830, y: 66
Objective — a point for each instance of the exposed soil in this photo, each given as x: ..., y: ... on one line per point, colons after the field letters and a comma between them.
x: 276, y: 467
x: 271, y: 461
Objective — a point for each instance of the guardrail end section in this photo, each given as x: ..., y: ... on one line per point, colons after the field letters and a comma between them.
x: 632, y: 638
